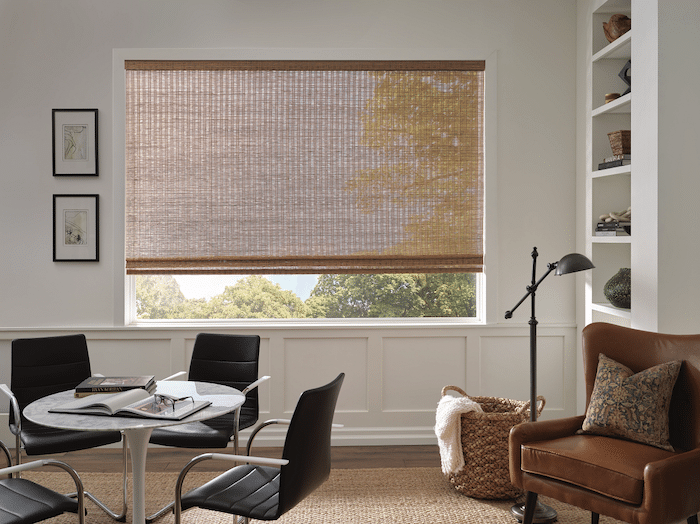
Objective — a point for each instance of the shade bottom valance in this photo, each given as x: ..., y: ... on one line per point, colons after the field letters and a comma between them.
x: 305, y: 265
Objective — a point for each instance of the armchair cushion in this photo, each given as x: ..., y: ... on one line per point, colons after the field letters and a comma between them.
x: 632, y: 405
x: 611, y: 467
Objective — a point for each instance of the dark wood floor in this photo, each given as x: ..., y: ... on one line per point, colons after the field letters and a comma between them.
x: 107, y: 460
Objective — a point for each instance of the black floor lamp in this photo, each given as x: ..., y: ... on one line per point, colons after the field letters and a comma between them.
x: 571, y: 263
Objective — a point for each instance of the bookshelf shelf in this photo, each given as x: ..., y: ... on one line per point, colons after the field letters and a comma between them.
x: 611, y: 310
x: 612, y: 240
x: 620, y: 48
x: 613, y: 171
x: 622, y: 105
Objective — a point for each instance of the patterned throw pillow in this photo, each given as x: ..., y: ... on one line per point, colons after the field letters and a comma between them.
x: 632, y: 406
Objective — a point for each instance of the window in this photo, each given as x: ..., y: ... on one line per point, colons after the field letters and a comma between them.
x: 345, y: 296
x: 293, y: 167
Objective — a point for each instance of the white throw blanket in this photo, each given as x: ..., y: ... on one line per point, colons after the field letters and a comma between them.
x: 448, y: 428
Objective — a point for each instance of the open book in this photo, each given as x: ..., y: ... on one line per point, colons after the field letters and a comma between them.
x: 134, y: 403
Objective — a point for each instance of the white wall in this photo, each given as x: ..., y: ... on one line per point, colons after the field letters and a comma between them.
x: 58, y: 54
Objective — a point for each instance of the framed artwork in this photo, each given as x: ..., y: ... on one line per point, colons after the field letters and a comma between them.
x: 74, y: 142
x: 76, y: 232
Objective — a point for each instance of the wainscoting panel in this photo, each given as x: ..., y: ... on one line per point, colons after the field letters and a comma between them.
x: 394, y: 373
x: 310, y: 363
x: 415, y: 369
x: 510, y: 356
x: 147, y: 355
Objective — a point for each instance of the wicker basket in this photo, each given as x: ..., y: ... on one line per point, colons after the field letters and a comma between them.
x: 485, y: 446
x: 620, y: 142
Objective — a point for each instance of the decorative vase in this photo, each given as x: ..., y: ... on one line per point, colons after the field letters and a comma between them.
x: 616, y: 27
x: 618, y: 290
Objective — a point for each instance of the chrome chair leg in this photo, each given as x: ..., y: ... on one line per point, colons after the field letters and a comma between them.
x: 237, y: 415
x: 18, y: 451
x: 162, y: 511
x: 170, y: 506
x: 119, y: 517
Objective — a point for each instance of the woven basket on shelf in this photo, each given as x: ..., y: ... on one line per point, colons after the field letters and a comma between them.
x: 620, y: 142
x: 484, y: 436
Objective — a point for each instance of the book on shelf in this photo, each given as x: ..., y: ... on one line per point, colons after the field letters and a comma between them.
x: 134, y: 403
x: 97, y: 384
x: 613, y: 224
x: 613, y: 163
x: 611, y: 233
x: 612, y: 228
x: 618, y: 157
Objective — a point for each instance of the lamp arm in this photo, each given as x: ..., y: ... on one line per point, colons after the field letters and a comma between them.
x: 532, y: 288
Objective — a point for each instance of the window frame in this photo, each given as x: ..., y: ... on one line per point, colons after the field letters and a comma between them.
x: 124, y: 285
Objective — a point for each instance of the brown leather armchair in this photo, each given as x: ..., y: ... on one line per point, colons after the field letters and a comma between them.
x: 626, y: 480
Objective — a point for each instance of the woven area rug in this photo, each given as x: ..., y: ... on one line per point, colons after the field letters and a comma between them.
x: 379, y: 496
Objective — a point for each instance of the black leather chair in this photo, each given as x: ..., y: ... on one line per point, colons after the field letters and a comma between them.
x: 25, y: 502
x: 41, y: 367
x: 231, y: 360
x: 263, y: 488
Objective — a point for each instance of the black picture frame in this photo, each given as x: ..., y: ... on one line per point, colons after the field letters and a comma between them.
x: 74, y: 140
x: 76, y: 228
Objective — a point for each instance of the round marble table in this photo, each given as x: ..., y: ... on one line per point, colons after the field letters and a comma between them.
x: 223, y: 400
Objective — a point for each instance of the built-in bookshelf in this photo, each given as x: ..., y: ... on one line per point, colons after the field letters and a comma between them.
x: 607, y: 190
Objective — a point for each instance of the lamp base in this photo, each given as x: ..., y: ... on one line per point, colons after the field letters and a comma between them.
x: 543, y: 514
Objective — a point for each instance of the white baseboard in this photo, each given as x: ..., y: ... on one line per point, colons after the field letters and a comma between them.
x: 387, y: 436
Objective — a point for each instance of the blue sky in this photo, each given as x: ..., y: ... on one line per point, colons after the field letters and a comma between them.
x: 206, y: 286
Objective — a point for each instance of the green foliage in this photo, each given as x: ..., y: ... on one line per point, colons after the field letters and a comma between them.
x: 393, y: 296
x: 334, y: 296
x: 158, y: 297
x: 448, y: 294
x: 364, y: 296
x: 256, y: 297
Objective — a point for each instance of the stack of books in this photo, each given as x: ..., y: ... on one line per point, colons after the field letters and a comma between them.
x: 95, y: 384
x: 615, y: 161
x: 613, y: 228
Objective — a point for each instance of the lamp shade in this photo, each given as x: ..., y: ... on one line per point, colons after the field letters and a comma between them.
x: 572, y: 263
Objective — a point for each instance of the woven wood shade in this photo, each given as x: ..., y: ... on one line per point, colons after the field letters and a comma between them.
x: 304, y: 167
